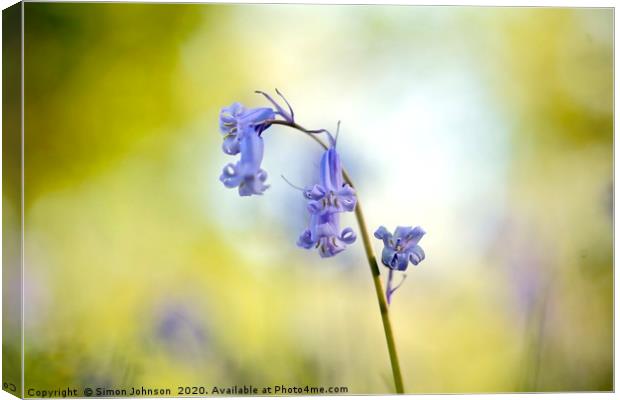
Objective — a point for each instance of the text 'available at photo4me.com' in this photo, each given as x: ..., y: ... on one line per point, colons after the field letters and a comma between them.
x: 141, y: 391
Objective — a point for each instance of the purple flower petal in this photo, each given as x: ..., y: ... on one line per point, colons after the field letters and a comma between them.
x: 327, y: 200
x: 402, y: 247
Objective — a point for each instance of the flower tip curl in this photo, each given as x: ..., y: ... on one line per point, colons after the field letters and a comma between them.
x: 289, y: 115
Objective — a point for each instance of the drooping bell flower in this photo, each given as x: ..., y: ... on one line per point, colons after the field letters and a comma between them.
x: 246, y: 174
x: 242, y: 128
x: 400, y: 249
x: 332, y: 194
x: 236, y: 121
x: 323, y: 233
x: 327, y: 199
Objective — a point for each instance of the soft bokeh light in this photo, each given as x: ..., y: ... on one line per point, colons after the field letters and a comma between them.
x: 489, y: 127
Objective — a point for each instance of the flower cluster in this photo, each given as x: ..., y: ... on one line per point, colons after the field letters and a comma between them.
x: 331, y: 196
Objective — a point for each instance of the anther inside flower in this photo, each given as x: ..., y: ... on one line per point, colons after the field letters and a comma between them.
x: 323, y: 200
x: 323, y: 234
x: 402, y: 247
x: 246, y: 174
x: 236, y: 121
x: 399, y: 249
x: 327, y: 200
x: 242, y: 128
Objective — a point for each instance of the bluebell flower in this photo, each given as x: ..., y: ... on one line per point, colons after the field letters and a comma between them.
x: 400, y: 249
x: 323, y: 233
x: 327, y: 199
x: 236, y: 121
x: 247, y: 174
x: 242, y: 128
x: 333, y: 194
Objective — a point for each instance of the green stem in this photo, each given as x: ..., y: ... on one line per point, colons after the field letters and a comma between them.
x: 376, y: 278
x: 372, y: 262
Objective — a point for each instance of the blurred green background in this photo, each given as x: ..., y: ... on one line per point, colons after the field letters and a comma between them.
x: 490, y: 127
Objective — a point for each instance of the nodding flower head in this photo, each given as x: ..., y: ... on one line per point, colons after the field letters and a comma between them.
x: 247, y: 174
x: 324, y: 234
x: 242, y: 128
x: 332, y: 194
x: 326, y: 200
x: 401, y: 247
x: 236, y: 121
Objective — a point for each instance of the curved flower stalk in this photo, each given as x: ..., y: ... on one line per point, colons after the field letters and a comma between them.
x: 332, y: 195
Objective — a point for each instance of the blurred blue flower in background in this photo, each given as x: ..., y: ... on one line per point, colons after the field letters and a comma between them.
x: 179, y: 329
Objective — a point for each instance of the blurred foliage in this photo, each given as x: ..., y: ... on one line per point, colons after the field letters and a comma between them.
x: 99, y: 80
x: 141, y: 269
